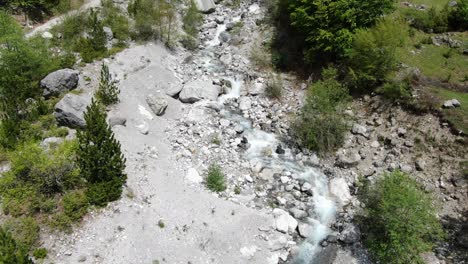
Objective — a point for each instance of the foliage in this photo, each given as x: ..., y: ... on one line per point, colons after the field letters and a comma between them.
x: 153, y: 19
x: 458, y: 17
x: 192, y: 20
x: 24, y: 230
x: 36, y: 176
x: 396, y: 91
x: 320, y: 126
x: 373, y: 54
x: 75, y: 204
x: 215, y: 181
x: 40, y: 253
x: 108, y: 92
x: 400, y: 221
x: 9, y: 29
x: 328, y: 25
x: 189, y: 42
x: 274, y: 87
x: 11, y: 251
x: 117, y: 21
x: 429, y: 21
x: 99, y: 157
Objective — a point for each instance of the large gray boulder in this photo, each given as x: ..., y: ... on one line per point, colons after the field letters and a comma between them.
x: 70, y: 110
x: 206, y: 6
x: 197, y: 90
x: 59, y: 82
x: 157, y: 103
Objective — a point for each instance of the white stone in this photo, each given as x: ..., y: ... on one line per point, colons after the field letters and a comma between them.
x: 248, y: 252
x: 193, y: 176
x: 339, y: 188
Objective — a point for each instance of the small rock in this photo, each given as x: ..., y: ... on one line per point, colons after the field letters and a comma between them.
x: 284, y: 221
x: 350, y: 234
x: 245, y: 103
x: 401, y: 132
x: 348, y: 160
x: 451, y: 103
x: 193, y: 176
x: 305, y: 230
x: 339, y: 188
x: 117, y: 121
x: 47, y: 35
x: 280, y: 150
x: 360, y: 130
x: 298, y: 213
x: 157, y: 103
x: 82, y: 258
x: 420, y: 164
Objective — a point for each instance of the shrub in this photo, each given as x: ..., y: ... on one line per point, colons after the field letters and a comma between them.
x: 114, y: 18
x: 428, y: 21
x: 400, y: 221
x: 373, y: 54
x: 75, y: 204
x: 100, y: 159
x: 108, y: 92
x: 9, y: 28
x: 320, y: 126
x: 274, y: 87
x: 11, y: 251
x: 40, y: 253
x: 458, y: 16
x: 189, y: 42
x: 396, y: 91
x: 24, y: 230
x: 215, y: 180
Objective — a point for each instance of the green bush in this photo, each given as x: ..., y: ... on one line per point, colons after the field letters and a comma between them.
x: 189, y: 42
x: 36, y: 177
x: 108, y: 92
x: 428, y: 21
x: 215, y: 181
x: 320, y: 126
x: 100, y: 159
x: 75, y: 204
x: 24, y: 230
x: 117, y: 21
x: 396, y: 91
x: 40, y: 253
x: 9, y: 28
x: 400, y: 221
x: 373, y: 54
x: 11, y: 251
x: 458, y: 16
x: 274, y: 87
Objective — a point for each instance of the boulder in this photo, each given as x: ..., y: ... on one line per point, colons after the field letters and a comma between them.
x: 49, y: 142
x: 348, y: 160
x: 197, y: 90
x: 70, y: 110
x: 350, y: 234
x: 339, y: 188
x: 257, y: 88
x: 451, y: 103
x: 117, y: 121
x: 174, y: 90
x: 59, y: 82
x: 305, y: 230
x: 284, y: 221
x: 157, y: 103
x: 224, y: 37
x: 205, y: 6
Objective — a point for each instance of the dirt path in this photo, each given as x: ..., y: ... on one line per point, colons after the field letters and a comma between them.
x: 57, y: 20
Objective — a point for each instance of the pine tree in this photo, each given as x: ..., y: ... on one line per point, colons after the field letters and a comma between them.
x: 97, y: 34
x: 100, y: 158
x: 108, y: 92
x: 192, y: 19
x: 10, y: 251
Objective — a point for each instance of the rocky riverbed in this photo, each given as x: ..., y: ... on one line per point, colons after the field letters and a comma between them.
x: 182, y: 111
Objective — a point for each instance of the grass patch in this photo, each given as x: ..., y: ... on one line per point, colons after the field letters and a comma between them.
x: 458, y: 117
x: 215, y: 181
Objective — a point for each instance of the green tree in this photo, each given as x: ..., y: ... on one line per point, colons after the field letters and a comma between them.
x: 10, y: 251
x: 400, y: 221
x: 328, y: 25
x: 108, y: 92
x: 192, y: 19
x: 100, y: 159
x: 97, y: 34
x: 458, y: 17
x: 373, y: 54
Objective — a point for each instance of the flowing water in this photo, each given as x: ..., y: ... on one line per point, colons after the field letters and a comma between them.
x: 262, y: 149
